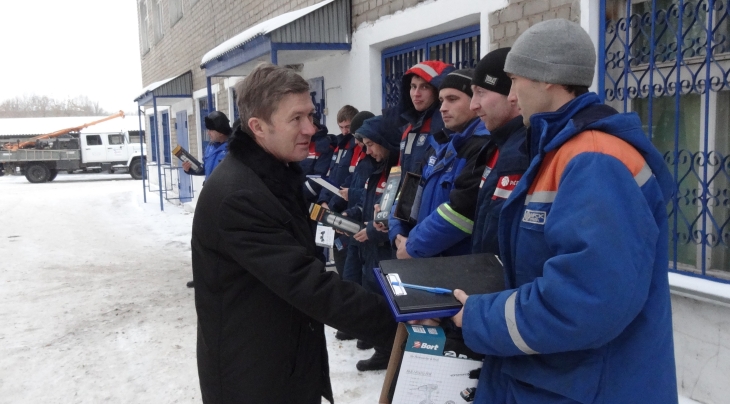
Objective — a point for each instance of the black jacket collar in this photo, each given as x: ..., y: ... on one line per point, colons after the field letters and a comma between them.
x: 283, y: 180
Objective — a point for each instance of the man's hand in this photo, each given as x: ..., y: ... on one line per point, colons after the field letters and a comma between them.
x: 343, y: 193
x: 361, y: 236
x: 460, y: 296
x: 402, y: 253
x: 378, y: 226
x: 324, y: 205
x: 186, y: 165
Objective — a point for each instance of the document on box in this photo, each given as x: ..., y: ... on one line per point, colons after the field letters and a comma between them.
x: 425, y: 378
x: 325, y: 236
x: 324, y: 183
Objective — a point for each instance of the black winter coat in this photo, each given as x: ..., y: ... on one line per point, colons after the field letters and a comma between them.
x: 260, y: 294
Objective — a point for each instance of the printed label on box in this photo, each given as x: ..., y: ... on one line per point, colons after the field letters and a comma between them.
x: 434, y: 379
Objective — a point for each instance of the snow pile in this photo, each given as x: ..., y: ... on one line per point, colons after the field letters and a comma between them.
x: 95, y: 307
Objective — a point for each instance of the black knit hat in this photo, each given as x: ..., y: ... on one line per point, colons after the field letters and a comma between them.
x: 218, y: 121
x: 459, y: 80
x: 490, y: 74
x: 358, y: 119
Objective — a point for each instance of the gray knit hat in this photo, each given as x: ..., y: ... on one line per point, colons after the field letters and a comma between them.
x: 554, y: 51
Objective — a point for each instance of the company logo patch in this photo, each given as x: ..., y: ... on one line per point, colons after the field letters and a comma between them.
x: 492, y: 81
x: 534, y: 216
x: 403, y: 145
x: 421, y: 140
x: 505, y: 186
x: 424, y: 345
x: 432, y: 160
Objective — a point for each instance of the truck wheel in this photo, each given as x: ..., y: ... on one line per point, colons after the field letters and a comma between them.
x: 37, y: 173
x: 135, y: 169
x: 53, y: 175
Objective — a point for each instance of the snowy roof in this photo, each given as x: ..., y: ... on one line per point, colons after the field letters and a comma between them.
x: 262, y: 28
x: 36, y: 126
x: 153, y: 86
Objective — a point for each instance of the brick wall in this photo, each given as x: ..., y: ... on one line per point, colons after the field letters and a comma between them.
x: 371, y: 10
x: 203, y: 26
x: 508, y: 23
x: 208, y: 23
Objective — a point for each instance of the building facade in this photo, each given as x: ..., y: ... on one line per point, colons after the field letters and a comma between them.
x: 354, y: 52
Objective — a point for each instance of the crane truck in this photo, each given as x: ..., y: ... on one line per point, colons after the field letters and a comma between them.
x: 41, y: 158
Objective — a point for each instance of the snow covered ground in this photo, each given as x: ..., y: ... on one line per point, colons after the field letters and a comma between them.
x: 94, y: 306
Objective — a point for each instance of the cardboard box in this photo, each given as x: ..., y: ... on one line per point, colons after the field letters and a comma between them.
x: 409, y: 199
x: 418, y: 371
x: 389, y: 196
x: 332, y: 219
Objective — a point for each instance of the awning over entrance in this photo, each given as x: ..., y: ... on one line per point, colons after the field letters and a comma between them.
x: 161, y: 93
x: 290, y: 38
x: 174, y: 87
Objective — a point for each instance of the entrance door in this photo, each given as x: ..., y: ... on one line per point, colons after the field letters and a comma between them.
x: 316, y: 91
x: 166, y: 138
x: 116, y: 150
x: 94, y: 150
x: 184, y: 183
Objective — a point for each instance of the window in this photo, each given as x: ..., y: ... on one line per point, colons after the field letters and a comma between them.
x: 93, y: 140
x: 166, y: 158
x: 159, y: 27
x: 116, y: 139
x: 236, y: 113
x: 143, y: 26
x: 153, y: 138
x: 662, y: 67
x: 460, y: 48
x: 203, y: 108
x: 176, y: 11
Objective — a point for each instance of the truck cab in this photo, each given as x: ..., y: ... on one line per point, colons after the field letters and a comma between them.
x: 112, y: 148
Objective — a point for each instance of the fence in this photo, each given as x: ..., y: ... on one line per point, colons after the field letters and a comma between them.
x: 668, y: 61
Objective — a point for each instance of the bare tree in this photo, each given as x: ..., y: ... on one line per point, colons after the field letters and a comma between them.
x: 42, y: 106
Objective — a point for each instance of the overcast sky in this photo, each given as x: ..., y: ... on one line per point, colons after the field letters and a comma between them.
x: 66, y: 48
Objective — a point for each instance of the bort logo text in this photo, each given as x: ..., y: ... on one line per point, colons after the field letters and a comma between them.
x: 423, y: 345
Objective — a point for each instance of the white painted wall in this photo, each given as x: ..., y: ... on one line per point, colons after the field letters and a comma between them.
x: 589, y: 13
x: 702, y: 349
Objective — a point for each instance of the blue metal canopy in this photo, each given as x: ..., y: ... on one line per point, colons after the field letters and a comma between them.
x: 290, y: 38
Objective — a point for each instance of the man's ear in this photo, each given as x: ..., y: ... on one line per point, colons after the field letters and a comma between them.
x: 256, y: 126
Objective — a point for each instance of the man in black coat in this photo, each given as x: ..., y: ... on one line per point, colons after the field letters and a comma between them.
x: 261, y: 295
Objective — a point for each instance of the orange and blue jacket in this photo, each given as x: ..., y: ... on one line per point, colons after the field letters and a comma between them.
x: 586, y: 315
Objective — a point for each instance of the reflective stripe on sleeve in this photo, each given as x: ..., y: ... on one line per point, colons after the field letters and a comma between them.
x: 541, y: 197
x: 309, y: 187
x: 514, y: 333
x: 457, y: 220
x: 502, y: 193
x: 643, y: 176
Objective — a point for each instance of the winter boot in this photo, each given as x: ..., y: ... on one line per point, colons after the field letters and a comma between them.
x: 363, y: 345
x: 343, y: 337
x: 191, y: 284
x: 379, y: 361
